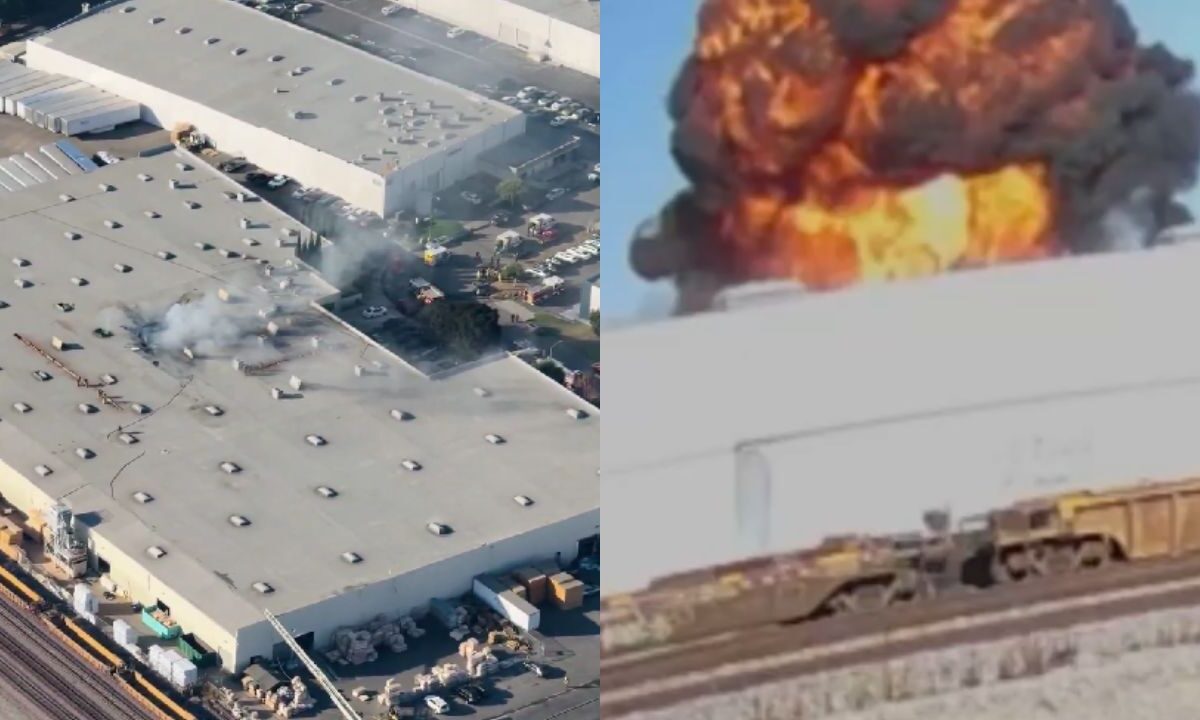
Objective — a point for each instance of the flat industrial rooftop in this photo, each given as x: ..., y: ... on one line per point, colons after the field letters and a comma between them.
x: 64, y: 239
x: 333, y: 85
x: 580, y: 13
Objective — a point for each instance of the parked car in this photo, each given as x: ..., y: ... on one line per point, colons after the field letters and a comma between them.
x: 586, y: 250
x: 278, y: 181
x: 471, y: 693
x: 534, y: 668
x: 391, y: 10
x: 567, y: 258
x: 374, y: 311
x: 555, y: 194
x: 258, y: 178
x: 437, y: 704
x: 455, y: 32
x: 545, y: 101
x: 301, y: 8
x: 233, y: 165
x: 537, y: 272
x: 471, y: 197
x: 501, y: 217
x: 558, y: 121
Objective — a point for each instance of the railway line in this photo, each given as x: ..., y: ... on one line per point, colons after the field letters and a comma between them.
x: 46, y: 670
x: 665, y: 676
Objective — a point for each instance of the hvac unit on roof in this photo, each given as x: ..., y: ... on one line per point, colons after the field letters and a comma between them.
x: 238, y: 51
x: 326, y: 491
x: 165, y: 255
x: 211, y: 41
x: 523, y: 500
x: 214, y: 410
x: 143, y: 497
x: 230, y: 468
x: 108, y: 379
x: 144, y: 177
x: 155, y: 20
x: 576, y: 413
x: 66, y: 198
x: 494, y: 439
x: 122, y: 267
x: 139, y: 408
x: 155, y: 552
x: 263, y: 588
x: 22, y: 407
x: 128, y: 438
x: 43, y: 470
x: 20, y: 262
x: 84, y: 453
x: 239, y: 520
x: 152, y: 214
x: 79, y: 281
x: 182, y: 30
x: 295, y: 114
x: 70, y: 235
x: 22, y: 283
x: 352, y: 557
x: 411, y: 465
x: 88, y: 408
x: 105, y: 187
x: 400, y: 415
x: 274, y: 58
x: 42, y: 375
x: 314, y: 440
x: 436, y: 528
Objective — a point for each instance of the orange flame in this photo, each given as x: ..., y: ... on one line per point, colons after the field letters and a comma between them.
x: 806, y: 122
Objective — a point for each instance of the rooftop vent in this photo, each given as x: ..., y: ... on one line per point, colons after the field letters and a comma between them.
x: 78, y: 281
x: 143, y: 497
x: 482, y: 392
x: 411, y: 465
x: 332, y: 82
x: 263, y: 588
x: 203, y: 246
x: 230, y: 468
x: 88, y: 408
x: 239, y: 520
x: 128, y: 438
x: 274, y: 58
x: 144, y: 177
x: 66, y: 198
x: 183, y: 167
x: 121, y: 267
x: 250, y: 242
x: 22, y: 283
x: 191, y: 204
x: 105, y: 187
x: 227, y: 253
x: 42, y: 375
x: 438, y: 528
x: 22, y: 407
x: 128, y: 9
x: 20, y: 262
x: 211, y: 41
x: 64, y: 306
x: 494, y: 439
x: 523, y: 500
x: 3, y: 304
x: 155, y: 552
x: 140, y: 408
x: 112, y: 224
x: 238, y: 51
x: 108, y: 379
x: 71, y: 235
x: 244, y: 223
x: 357, y: 98
x: 155, y: 20
x: 165, y: 255
x: 214, y: 410
x: 43, y: 470
x: 352, y: 557
x: 58, y: 343
x: 152, y: 214
x: 400, y: 415
x: 295, y: 114
x: 576, y: 413
x: 84, y: 453
x: 173, y: 183
x: 314, y: 440
x: 182, y: 30
x: 326, y: 491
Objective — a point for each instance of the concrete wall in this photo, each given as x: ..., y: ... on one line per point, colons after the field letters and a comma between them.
x: 413, y: 590
x: 518, y: 26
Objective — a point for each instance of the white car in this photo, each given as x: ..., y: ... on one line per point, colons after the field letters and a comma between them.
x: 108, y: 158
x: 564, y: 257
x: 587, y: 252
x: 555, y: 194
x: 278, y: 181
x: 391, y: 10
x: 537, y: 272
x: 471, y: 197
x: 301, y: 8
x: 558, y: 121
x: 544, y: 101
x: 437, y: 704
x: 452, y: 33
x: 375, y: 311
x: 558, y: 105
x: 510, y: 99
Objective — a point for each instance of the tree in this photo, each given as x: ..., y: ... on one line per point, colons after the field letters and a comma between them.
x: 552, y: 370
x: 594, y: 319
x: 512, y: 272
x: 509, y: 190
x: 468, y: 328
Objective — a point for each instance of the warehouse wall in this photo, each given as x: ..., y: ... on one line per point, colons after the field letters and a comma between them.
x: 275, y: 152
x: 445, y: 168
x: 413, y: 590
x: 520, y: 27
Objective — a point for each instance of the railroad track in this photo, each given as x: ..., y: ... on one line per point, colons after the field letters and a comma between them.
x: 41, y: 666
x: 662, y: 677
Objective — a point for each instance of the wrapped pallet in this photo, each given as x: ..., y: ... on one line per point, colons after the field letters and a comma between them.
x: 468, y: 647
x: 534, y: 581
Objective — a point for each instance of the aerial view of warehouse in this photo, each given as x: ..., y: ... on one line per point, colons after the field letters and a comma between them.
x: 375, y: 133
x: 226, y: 445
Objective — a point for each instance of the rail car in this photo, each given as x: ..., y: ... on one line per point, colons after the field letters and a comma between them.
x: 1065, y: 533
x: 95, y: 646
x: 150, y: 689
x: 28, y: 596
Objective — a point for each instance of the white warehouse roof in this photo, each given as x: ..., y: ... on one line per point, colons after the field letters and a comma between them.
x: 580, y: 13
x: 272, y: 74
x: 121, y: 246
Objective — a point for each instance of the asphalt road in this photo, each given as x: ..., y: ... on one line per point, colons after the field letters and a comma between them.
x: 467, y: 61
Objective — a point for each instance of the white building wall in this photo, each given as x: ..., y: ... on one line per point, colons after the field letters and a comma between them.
x: 263, y: 147
x: 525, y: 29
x: 405, y: 593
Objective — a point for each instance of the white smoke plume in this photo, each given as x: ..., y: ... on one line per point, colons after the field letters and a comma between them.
x: 206, y: 324
x: 352, y: 255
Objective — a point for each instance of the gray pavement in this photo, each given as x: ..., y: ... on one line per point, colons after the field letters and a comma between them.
x: 467, y: 61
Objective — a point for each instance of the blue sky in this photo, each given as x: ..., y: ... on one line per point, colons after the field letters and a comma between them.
x: 644, y: 42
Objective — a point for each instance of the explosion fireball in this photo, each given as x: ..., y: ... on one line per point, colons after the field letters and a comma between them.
x: 841, y: 141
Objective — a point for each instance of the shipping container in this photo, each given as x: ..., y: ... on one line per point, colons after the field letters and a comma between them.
x: 496, y: 595
x: 100, y: 118
x: 42, y: 85
x: 25, y: 106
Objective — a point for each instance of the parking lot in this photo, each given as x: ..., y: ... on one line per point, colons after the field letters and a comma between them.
x: 468, y: 61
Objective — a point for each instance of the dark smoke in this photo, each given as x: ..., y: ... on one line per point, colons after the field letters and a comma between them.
x: 1118, y: 124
